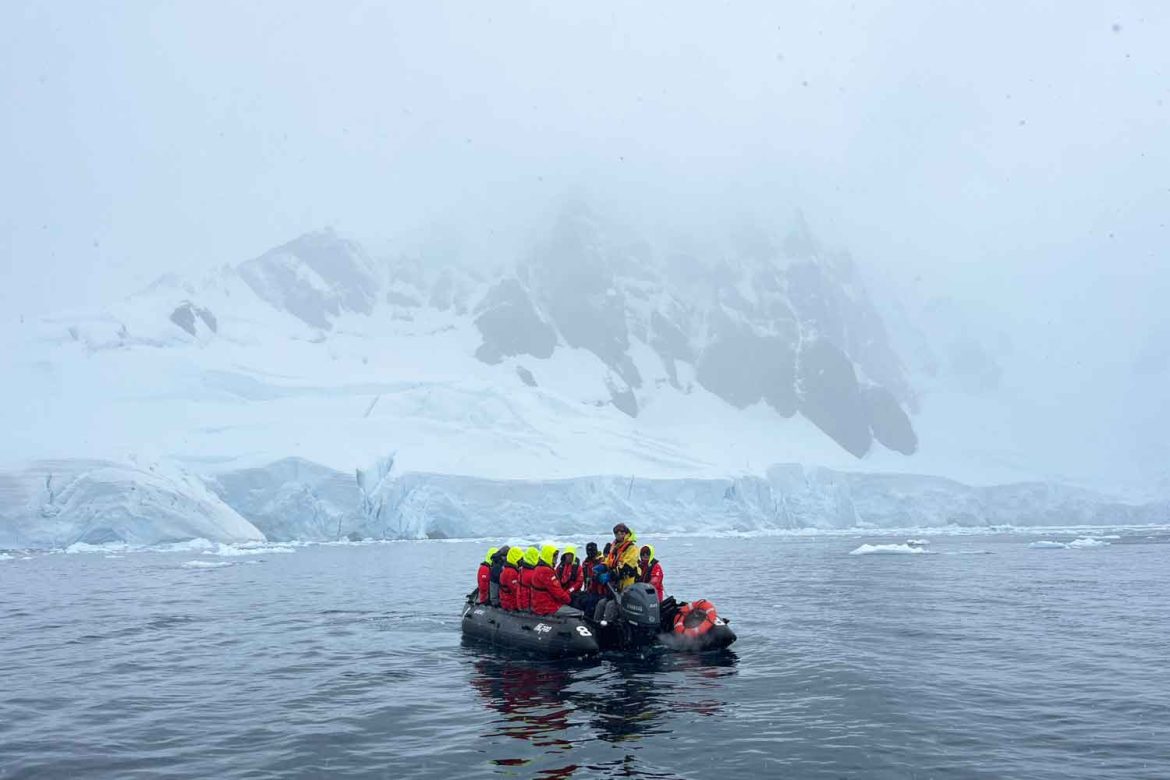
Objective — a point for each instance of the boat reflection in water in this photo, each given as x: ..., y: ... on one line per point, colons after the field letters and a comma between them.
x: 578, y: 707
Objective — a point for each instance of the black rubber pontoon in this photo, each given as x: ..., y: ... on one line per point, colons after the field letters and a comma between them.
x: 635, y: 621
x: 564, y: 634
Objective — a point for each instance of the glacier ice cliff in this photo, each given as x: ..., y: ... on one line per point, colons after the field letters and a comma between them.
x: 55, y: 504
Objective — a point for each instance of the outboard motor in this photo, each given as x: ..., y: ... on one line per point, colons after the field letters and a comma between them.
x: 640, y: 613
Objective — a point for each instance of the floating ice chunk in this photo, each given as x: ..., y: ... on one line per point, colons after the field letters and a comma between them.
x: 888, y: 549
x: 206, y: 564
x: 1085, y: 542
x: 191, y: 545
x: 5, y: 556
x: 83, y: 547
x: 1047, y: 544
x: 232, y: 550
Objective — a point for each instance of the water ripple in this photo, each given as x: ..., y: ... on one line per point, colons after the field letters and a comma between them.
x: 341, y: 661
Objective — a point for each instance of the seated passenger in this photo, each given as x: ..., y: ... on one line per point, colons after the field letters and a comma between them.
x: 591, y: 560
x: 498, y: 561
x: 547, y: 594
x: 527, y: 564
x: 510, y: 580
x: 569, y: 571
x: 650, y: 570
x: 484, y: 575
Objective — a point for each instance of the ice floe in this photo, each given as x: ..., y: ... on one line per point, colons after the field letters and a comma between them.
x: 233, y: 550
x: 1080, y: 543
x: 889, y: 549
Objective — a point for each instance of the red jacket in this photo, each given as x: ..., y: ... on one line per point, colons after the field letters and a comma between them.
x: 509, y: 588
x: 652, y: 574
x: 485, y: 578
x: 571, y: 577
x: 591, y: 584
x: 547, y: 593
x: 524, y: 591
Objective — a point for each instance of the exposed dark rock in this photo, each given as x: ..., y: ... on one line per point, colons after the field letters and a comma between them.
x: 577, y: 290
x: 729, y: 369
x: 208, y: 319
x: 184, y: 316
x: 671, y: 344
x: 829, y: 302
x: 815, y: 302
x: 452, y: 289
x: 829, y: 396
x: 623, y: 399
x: 889, y: 423
x: 525, y: 376
x: 314, y: 278
x: 778, y: 374
x: 741, y: 368
x: 510, y: 325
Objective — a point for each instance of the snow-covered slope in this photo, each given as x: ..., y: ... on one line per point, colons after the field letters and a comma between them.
x: 505, y: 395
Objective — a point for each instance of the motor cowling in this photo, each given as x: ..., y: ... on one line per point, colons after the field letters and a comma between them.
x: 639, y: 606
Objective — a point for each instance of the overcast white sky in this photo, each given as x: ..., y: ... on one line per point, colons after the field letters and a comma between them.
x: 1002, y: 144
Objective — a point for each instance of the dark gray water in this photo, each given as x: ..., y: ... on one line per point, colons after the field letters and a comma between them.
x: 348, y: 661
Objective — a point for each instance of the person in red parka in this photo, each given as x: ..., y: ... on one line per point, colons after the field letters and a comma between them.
x: 570, y: 572
x: 510, y: 580
x: 547, y: 594
x: 649, y: 569
x: 484, y: 576
x: 524, y: 592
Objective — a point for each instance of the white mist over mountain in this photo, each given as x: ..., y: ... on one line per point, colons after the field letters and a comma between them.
x: 579, y: 240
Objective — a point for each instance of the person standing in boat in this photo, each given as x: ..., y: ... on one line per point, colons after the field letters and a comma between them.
x: 510, y: 580
x: 547, y: 594
x: 622, y: 560
x: 620, y: 569
x: 649, y: 569
x: 569, y: 571
x: 483, y: 576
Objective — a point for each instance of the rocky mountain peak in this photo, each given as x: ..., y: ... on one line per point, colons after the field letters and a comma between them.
x: 315, y: 277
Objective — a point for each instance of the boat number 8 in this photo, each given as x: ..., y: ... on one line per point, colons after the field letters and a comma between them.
x: 583, y: 631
